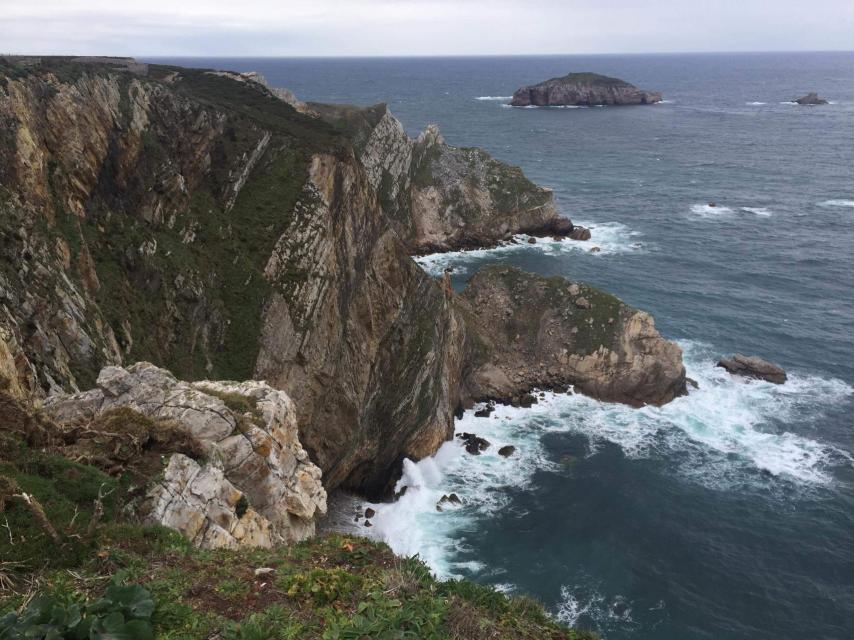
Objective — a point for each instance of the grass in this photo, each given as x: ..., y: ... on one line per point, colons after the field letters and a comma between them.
x: 330, y: 587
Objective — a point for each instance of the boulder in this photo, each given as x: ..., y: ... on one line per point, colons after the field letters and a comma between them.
x: 753, y: 367
x: 506, y: 451
x: 811, y: 99
x: 474, y: 444
x: 583, y: 89
x: 580, y: 233
x: 251, y: 485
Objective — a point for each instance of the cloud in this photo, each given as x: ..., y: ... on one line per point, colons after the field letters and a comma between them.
x: 419, y: 27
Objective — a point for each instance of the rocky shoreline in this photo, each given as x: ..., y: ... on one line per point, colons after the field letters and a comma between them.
x: 201, y: 221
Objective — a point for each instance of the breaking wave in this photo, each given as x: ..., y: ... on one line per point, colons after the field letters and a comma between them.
x: 494, y: 98
x: 836, y: 203
x: 709, y: 211
x: 607, y: 238
x: 728, y: 434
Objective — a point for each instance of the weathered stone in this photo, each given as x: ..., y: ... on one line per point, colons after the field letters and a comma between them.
x: 257, y: 486
x: 507, y: 450
x: 753, y: 367
x: 811, y: 99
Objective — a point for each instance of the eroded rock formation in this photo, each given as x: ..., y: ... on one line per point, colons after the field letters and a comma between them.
x: 251, y: 482
x: 534, y: 331
x: 753, y: 367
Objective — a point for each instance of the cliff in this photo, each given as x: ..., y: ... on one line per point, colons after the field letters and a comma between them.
x: 587, y: 89
x: 439, y: 197
x: 200, y: 221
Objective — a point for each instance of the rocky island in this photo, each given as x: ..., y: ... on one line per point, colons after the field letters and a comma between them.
x: 583, y: 89
x: 166, y: 233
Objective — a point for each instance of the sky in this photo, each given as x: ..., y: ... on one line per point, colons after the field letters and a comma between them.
x: 420, y: 27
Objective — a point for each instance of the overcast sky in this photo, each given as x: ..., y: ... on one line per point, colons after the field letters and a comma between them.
x: 420, y: 27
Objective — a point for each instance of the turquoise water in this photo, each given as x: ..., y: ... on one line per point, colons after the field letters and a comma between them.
x: 728, y: 513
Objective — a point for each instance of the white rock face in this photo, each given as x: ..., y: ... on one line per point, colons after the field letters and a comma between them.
x: 257, y: 486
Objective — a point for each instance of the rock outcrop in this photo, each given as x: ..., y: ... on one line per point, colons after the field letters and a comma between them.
x: 811, y: 99
x: 542, y: 332
x: 583, y: 89
x: 253, y: 485
x: 753, y: 367
x: 443, y: 198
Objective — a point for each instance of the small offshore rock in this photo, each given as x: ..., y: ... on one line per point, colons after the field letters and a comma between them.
x: 595, y: 249
x: 532, y: 240
x: 368, y: 523
x: 580, y: 233
x: 753, y: 367
x: 485, y: 412
x: 473, y: 444
x: 811, y: 98
x: 693, y: 382
x: 506, y: 451
x: 370, y: 513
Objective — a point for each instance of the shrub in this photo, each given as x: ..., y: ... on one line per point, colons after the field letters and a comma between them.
x: 123, y: 612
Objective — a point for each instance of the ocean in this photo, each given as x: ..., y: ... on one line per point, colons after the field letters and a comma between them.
x: 728, y: 513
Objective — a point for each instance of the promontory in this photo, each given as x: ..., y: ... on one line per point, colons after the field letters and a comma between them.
x: 583, y: 89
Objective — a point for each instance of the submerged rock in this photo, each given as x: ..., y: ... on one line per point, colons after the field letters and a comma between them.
x: 753, y: 367
x: 587, y: 89
x: 811, y: 99
x: 252, y: 485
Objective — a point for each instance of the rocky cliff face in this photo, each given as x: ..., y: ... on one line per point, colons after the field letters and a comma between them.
x: 252, y: 485
x: 548, y: 332
x: 587, y: 89
x: 439, y: 197
x: 199, y: 221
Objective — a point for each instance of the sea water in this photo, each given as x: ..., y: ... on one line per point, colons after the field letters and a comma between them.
x: 728, y: 513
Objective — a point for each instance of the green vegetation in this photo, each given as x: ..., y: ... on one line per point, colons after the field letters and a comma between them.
x: 119, y: 579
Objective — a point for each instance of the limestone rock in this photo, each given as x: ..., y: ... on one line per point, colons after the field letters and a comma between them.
x: 534, y: 334
x: 256, y: 485
x: 753, y: 367
x: 586, y: 89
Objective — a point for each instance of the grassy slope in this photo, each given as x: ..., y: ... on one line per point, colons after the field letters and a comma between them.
x: 330, y: 587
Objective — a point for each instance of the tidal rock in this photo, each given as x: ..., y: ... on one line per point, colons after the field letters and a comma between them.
x: 254, y: 486
x: 532, y: 240
x: 753, y: 367
x: 811, y: 99
x: 580, y: 233
x: 485, y: 412
x: 583, y: 89
x: 370, y: 513
x: 507, y: 451
x: 474, y: 444
x: 595, y: 249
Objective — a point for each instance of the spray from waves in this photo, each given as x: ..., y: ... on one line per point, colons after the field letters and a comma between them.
x: 494, y: 98
x: 731, y: 433
x: 759, y: 211
x: 710, y: 212
x: 756, y: 104
x: 836, y: 203
x: 608, y: 238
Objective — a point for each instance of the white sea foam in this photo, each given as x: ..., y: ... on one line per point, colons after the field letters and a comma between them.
x: 608, y: 237
x: 756, y: 104
x: 720, y: 435
x: 710, y: 212
x: 763, y: 212
x: 494, y: 98
x: 571, y: 608
x: 837, y: 203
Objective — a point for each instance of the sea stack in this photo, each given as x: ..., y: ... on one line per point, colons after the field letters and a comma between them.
x: 583, y: 89
x: 811, y: 99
